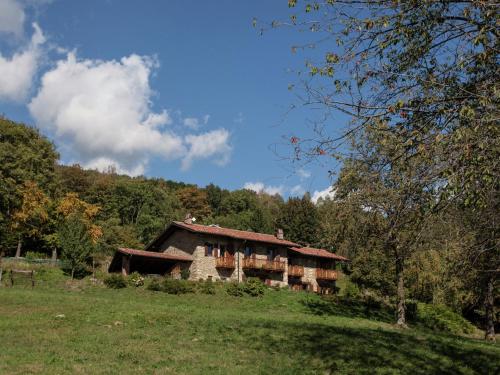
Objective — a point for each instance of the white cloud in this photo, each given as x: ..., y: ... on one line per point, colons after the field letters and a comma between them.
x: 17, y: 72
x: 327, y: 193
x: 194, y: 122
x: 191, y: 122
x: 214, y: 143
x: 11, y: 17
x: 102, y: 109
x: 260, y: 187
x: 155, y: 120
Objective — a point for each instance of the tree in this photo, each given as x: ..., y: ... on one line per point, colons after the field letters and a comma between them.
x: 75, y: 242
x: 25, y: 156
x: 428, y: 70
x: 215, y: 195
x: 299, y: 220
x: 400, y: 190
x: 31, y: 216
x: 71, y: 206
x: 195, y: 202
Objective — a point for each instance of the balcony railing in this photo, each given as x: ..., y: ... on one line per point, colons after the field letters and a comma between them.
x: 224, y: 262
x: 324, y: 274
x: 296, y: 271
x: 264, y: 264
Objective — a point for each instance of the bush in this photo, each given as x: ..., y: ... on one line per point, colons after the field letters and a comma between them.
x: 235, y: 289
x: 351, y: 290
x: 254, y: 287
x: 441, y: 318
x: 206, y: 287
x: 115, y: 281
x: 136, y: 279
x: 154, y: 285
x: 185, y: 273
x: 173, y: 286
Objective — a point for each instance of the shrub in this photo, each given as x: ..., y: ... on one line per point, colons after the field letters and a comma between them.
x: 174, y: 286
x: 154, y: 285
x: 185, y: 273
x: 441, y: 318
x: 136, y: 279
x: 254, y: 287
x: 207, y: 287
x: 115, y: 281
x: 351, y: 290
x: 235, y: 289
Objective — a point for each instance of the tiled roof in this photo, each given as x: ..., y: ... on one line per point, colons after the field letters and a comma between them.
x: 233, y: 233
x: 311, y: 251
x: 154, y: 254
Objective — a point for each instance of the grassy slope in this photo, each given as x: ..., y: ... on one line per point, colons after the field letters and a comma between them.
x: 137, y: 331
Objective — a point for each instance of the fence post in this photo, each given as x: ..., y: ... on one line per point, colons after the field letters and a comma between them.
x: 11, y: 278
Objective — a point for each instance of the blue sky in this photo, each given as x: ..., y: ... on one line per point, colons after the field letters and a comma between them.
x: 185, y: 90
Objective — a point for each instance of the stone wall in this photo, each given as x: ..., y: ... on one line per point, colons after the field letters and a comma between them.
x: 309, y: 265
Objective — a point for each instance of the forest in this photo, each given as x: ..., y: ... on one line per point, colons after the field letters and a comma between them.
x: 416, y: 204
x: 45, y: 205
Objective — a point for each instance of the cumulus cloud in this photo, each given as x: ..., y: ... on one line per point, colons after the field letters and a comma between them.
x: 102, y: 109
x: 323, y: 194
x: 17, y: 72
x: 211, y: 144
x: 194, y: 122
x: 11, y: 17
x: 260, y: 187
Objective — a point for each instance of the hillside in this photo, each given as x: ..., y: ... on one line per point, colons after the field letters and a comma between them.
x: 80, y: 328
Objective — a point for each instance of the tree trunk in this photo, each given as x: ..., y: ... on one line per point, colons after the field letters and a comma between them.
x: 489, y: 306
x: 72, y: 273
x: 54, y: 254
x: 18, y: 250
x: 401, y: 306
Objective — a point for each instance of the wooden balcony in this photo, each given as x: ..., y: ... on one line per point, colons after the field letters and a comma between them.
x: 296, y: 271
x: 264, y: 264
x: 225, y: 262
x: 324, y: 274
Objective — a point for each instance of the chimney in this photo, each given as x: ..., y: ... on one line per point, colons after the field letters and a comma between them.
x: 188, y: 219
x: 279, y: 234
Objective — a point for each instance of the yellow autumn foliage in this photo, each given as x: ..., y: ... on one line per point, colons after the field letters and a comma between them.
x: 71, y: 204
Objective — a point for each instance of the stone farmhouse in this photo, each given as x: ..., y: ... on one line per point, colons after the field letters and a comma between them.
x: 216, y: 253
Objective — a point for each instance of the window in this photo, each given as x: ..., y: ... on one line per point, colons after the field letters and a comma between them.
x: 248, y: 252
x: 222, y: 250
x: 270, y: 254
x: 209, y: 249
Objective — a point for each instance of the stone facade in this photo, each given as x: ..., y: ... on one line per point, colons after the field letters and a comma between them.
x: 204, y: 266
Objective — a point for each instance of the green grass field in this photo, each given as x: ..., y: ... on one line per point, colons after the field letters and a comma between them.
x: 135, y: 331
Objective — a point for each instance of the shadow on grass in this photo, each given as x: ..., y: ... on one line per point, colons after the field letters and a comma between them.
x: 349, y: 308
x: 341, y: 350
